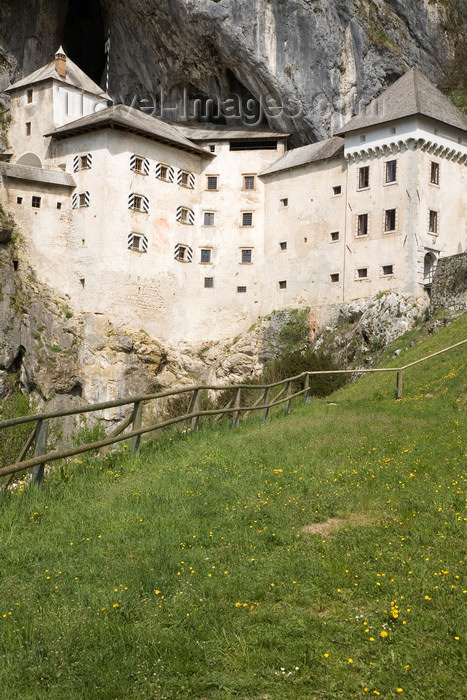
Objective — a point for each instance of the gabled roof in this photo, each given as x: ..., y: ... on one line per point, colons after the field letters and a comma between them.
x: 413, y: 94
x: 74, y: 76
x: 221, y: 132
x: 128, y: 119
x: 312, y: 153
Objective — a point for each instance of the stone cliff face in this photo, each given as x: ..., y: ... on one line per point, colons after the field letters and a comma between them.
x: 321, y: 59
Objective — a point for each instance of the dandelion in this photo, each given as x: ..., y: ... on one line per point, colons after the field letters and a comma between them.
x: 350, y: 661
x: 399, y: 690
x: 384, y: 634
x: 116, y: 605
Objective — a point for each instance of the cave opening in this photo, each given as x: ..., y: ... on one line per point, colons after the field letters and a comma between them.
x: 84, y: 37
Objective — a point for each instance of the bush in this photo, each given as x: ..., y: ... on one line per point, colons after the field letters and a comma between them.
x: 293, y: 363
x: 12, y: 439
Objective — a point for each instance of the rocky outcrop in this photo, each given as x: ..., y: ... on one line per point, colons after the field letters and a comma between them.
x: 317, y: 61
x: 449, y: 289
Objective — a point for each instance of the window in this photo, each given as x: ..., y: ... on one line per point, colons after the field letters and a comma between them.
x: 434, y: 177
x: 387, y: 270
x: 19, y: 200
x: 209, y: 218
x: 392, y: 130
x: 186, y: 179
x: 30, y: 96
x: 364, y: 177
x: 283, y: 284
x: 390, y: 171
x: 246, y: 256
x: 28, y: 129
x: 212, y: 148
x: 362, y: 138
x: 337, y: 190
x: 138, y: 242
x: 283, y: 245
x: 206, y: 255
x: 362, y: 225
x: 335, y: 236
x: 335, y: 277
x: 212, y: 183
x: 247, y: 218
x: 389, y: 220
x: 253, y: 145
x: 138, y: 203
x: 284, y: 202
x: 59, y: 205
x: 208, y: 282
x: 183, y: 253
x: 139, y: 165
x: 248, y: 182
x: 433, y: 223
x: 362, y: 273
x: 163, y: 172
x: 185, y: 216
x: 83, y: 162
x: 82, y: 200
x: 241, y: 290
x: 82, y: 282
x: 36, y: 202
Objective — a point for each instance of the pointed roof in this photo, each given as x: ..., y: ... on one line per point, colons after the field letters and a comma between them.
x: 74, y: 76
x: 131, y: 120
x: 304, y: 155
x: 413, y: 94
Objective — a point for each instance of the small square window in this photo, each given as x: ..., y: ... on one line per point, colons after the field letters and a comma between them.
x: 241, y: 290
x: 30, y: 96
x: 138, y: 242
x: 19, y: 200
x: 284, y: 202
x: 247, y: 218
x: 362, y: 225
x: 59, y: 205
x: 83, y: 162
x: 209, y: 218
x: 208, y: 282
x: 248, y: 182
x: 82, y: 282
x: 362, y: 138
x: 246, y: 256
x: 184, y: 179
x: 433, y: 224
x: 164, y: 172
x: 390, y: 171
x: 184, y: 216
x: 212, y: 148
x: 335, y: 236
x: 138, y: 164
x: 206, y: 255
x: 434, y: 179
x: 83, y: 203
x: 283, y: 284
x: 212, y: 183
x: 28, y: 129
x: 389, y: 220
x: 362, y: 273
x: 36, y: 202
x: 335, y: 277
x: 364, y: 177
x: 392, y: 130
x: 283, y: 245
x: 388, y: 270
x: 337, y: 189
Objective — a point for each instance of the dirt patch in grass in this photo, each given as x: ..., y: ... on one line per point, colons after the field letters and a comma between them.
x: 333, y: 524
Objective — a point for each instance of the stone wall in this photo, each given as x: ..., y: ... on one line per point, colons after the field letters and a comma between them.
x: 449, y: 290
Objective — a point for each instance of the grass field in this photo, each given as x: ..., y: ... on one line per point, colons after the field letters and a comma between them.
x: 318, y: 556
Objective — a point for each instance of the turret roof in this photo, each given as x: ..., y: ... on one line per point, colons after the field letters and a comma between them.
x: 413, y: 94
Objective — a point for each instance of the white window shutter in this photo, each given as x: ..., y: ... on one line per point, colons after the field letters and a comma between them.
x: 146, y: 166
x: 133, y: 162
x: 179, y: 177
x: 74, y: 201
x: 177, y: 251
x: 171, y: 175
x: 158, y: 171
x: 192, y: 181
x: 75, y: 164
x: 131, y: 239
x: 89, y: 160
x: 179, y: 213
x: 144, y: 244
x: 131, y: 201
x: 189, y: 254
x: 145, y: 205
x: 191, y: 217
x: 87, y: 199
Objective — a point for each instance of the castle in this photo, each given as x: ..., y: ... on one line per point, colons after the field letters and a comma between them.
x: 194, y: 231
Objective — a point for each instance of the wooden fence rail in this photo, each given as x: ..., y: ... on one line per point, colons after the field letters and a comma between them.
x: 38, y: 436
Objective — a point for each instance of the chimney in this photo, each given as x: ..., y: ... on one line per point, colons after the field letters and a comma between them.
x: 60, y: 62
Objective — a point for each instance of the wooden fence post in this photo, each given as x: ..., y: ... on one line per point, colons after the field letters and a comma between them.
x: 399, y: 384
x: 307, y: 389
x: 266, y: 404
x: 287, y: 405
x: 237, y: 402
x: 37, y: 476
x: 137, y: 420
x: 194, y: 407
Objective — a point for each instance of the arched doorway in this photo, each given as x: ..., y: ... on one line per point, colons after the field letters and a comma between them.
x: 429, y: 265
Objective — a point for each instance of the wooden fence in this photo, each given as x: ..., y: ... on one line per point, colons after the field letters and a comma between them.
x: 285, y: 395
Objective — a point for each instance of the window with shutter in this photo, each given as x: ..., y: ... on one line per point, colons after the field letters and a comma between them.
x: 183, y: 253
x: 138, y: 242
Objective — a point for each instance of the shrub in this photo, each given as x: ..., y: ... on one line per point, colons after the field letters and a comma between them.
x: 294, y: 362
x: 12, y: 439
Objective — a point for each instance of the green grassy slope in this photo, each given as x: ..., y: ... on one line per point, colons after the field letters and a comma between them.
x: 195, y: 569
